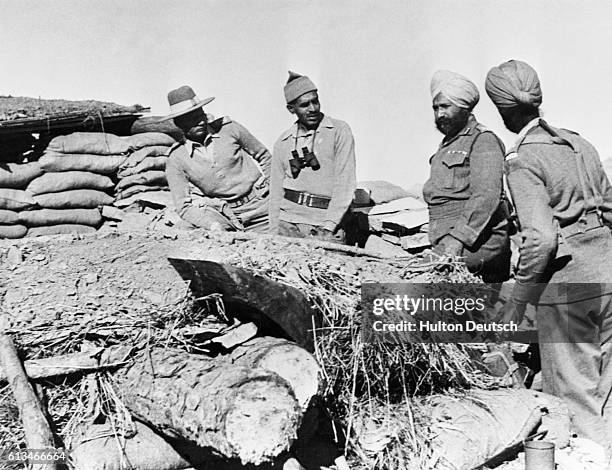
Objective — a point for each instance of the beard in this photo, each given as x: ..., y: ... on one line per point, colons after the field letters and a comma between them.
x: 451, y: 126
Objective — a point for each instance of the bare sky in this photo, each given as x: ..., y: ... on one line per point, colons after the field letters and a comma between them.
x: 371, y: 59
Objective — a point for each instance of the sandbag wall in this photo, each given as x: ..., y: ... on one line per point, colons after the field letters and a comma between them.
x: 77, y: 174
x: 14, y: 177
x: 77, y: 178
x: 145, y: 168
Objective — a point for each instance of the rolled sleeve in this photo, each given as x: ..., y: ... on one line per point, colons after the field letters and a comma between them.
x: 486, y: 174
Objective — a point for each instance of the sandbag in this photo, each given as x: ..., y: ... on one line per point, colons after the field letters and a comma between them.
x: 8, y: 217
x: 148, y: 178
x: 67, y: 180
x: 148, y: 164
x: 103, y: 164
x: 153, y: 124
x: 97, y: 143
x: 139, y: 188
x: 139, y: 155
x: 60, y: 229
x: 15, y: 199
x: 149, y: 139
x: 383, y: 191
x: 12, y: 231
x: 41, y: 217
x: 18, y: 175
x: 74, y: 199
x: 467, y: 431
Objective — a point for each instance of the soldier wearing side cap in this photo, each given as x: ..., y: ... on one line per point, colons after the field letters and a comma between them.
x: 223, y: 161
x: 468, y: 212
x: 312, y: 180
x: 563, y: 200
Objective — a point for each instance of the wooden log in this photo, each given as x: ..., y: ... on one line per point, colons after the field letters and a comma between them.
x: 211, y: 403
x: 255, y: 298
x: 96, y: 359
x: 97, y: 448
x: 37, y: 432
x: 314, y: 243
x: 287, y: 359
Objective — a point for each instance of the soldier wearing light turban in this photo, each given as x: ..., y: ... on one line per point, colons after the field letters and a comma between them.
x: 468, y: 214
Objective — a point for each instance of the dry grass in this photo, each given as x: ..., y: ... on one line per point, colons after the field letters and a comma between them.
x: 369, y: 386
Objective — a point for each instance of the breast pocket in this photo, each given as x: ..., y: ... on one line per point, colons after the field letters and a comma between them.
x: 456, y: 169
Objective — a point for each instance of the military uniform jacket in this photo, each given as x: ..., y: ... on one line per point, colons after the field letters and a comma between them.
x: 465, y: 186
x: 557, y: 182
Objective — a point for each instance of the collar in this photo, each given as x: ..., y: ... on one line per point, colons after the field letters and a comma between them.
x: 213, y: 127
x: 530, y: 125
x: 297, y: 131
x: 523, y: 133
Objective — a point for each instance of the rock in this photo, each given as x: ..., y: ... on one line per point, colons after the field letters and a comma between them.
x: 236, y: 335
x: 378, y: 245
x: 90, y: 278
x: 110, y: 212
x: 14, y: 256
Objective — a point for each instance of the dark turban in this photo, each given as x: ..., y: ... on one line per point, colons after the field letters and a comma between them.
x: 513, y: 83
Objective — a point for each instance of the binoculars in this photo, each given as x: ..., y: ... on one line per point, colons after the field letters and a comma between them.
x: 298, y: 163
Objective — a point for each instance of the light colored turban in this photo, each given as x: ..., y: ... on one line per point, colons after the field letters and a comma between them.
x: 458, y: 89
x: 513, y: 83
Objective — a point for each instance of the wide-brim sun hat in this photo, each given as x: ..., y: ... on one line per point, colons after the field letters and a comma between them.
x: 182, y: 101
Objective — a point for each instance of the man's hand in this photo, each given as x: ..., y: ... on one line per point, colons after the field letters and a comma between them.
x: 325, y: 234
x: 511, y: 311
x: 449, y: 245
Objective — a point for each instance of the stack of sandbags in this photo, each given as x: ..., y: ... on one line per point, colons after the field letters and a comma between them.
x: 13, y: 178
x: 145, y: 168
x: 78, y: 170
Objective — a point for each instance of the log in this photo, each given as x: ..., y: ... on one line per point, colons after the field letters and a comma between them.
x: 213, y: 404
x: 255, y: 298
x: 314, y: 243
x: 88, y: 361
x: 96, y: 448
x: 37, y: 432
x: 287, y: 359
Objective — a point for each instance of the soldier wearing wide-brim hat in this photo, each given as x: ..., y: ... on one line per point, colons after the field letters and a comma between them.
x: 223, y: 161
x: 312, y: 180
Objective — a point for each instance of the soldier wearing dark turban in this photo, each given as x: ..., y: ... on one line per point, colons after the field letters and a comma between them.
x: 563, y: 200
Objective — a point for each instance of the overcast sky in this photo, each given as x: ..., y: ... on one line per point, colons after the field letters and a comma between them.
x: 371, y: 59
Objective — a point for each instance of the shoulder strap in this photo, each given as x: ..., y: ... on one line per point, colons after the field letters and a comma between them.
x: 584, y: 175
